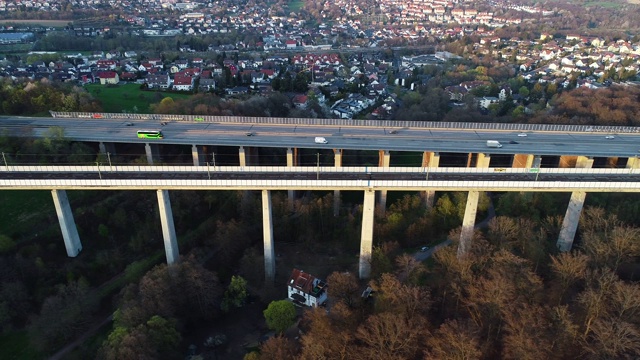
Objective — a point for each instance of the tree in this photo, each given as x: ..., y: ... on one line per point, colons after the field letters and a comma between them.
x: 454, y: 341
x: 278, y: 348
x: 324, y: 339
x: 63, y: 316
x: 390, y: 336
x: 280, y: 315
x: 156, y: 338
x: 344, y: 288
x: 236, y: 294
x: 569, y: 267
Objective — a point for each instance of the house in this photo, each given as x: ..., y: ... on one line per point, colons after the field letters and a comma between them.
x: 183, y: 83
x: 306, y: 289
x: 486, y: 101
x: 108, y: 77
x: 206, y: 85
x: 158, y: 81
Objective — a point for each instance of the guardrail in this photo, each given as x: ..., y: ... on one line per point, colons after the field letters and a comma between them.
x: 364, y: 123
x: 308, y: 169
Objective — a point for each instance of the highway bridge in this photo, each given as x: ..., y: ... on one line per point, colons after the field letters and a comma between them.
x: 386, y: 135
x: 577, y: 147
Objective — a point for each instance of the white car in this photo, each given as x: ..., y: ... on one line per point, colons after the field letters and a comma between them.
x: 609, y: 137
x: 522, y: 135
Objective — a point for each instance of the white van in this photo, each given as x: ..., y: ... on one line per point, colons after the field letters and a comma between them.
x: 321, y: 140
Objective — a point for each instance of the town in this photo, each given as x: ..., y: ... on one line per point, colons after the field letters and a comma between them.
x: 309, y: 272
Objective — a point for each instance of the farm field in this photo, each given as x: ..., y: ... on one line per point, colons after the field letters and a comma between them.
x: 47, y: 23
x: 128, y: 98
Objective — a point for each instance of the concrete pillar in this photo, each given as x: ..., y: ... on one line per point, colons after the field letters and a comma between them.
x: 633, y: 163
x: 199, y: 157
x: 267, y: 231
x: 574, y: 210
x: 571, y: 219
x: 152, y: 151
x: 67, y: 225
x: 243, y: 156
x: 384, y: 159
x: 567, y: 161
x: 468, y: 222
x: 366, y: 239
x: 469, y: 159
x: 432, y: 160
x: 168, y: 229
x: 469, y: 219
x: 483, y: 160
x: 537, y: 161
x: 291, y: 194
x: 107, y: 147
x: 337, y: 162
x: 522, y: 161
x: 584, y: 162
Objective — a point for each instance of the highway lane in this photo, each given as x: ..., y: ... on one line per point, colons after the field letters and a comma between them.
x: 105, y: 174
x: 343, y: 137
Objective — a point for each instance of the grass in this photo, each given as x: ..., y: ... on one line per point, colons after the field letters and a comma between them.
x: 15, y: 345
x: 603, y: 4
x: 21, y: 209
x: 296, y: 5
x: 51, y: 23
x: 128, y: 98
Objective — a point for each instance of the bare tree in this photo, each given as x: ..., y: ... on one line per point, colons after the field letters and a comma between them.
x: 454, y: 341
x: 612, y: 339
x: 344, y: 287
x: 387, y: 336
x: 569, y: 268
x: 408, y: 267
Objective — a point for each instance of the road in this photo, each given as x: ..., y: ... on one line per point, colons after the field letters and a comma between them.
x: 339, y: 137
x: 417, y: 175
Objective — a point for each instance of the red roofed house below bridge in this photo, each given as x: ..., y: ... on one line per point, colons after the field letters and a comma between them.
x: 306, y: 289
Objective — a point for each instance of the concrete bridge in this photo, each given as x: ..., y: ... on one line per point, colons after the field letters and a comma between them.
x: 370, y: 180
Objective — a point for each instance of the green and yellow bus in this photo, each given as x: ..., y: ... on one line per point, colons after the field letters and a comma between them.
x: 150, y: 134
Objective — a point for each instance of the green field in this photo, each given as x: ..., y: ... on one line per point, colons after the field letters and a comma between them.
x: 604, y: 4
x: 22, y: 210
x: 296, y: 5
x: 128, y: 98
x: 16, y: 346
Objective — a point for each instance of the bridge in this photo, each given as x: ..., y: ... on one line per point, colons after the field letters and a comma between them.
x: 367, y: 179
x: 576, y: 147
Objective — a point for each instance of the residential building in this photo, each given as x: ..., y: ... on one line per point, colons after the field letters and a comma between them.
x: 306, y: 289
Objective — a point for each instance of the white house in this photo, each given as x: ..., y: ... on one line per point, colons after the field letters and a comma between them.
x: 306, y: 289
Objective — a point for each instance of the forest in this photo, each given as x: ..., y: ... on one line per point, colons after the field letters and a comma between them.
x: 513, y: 296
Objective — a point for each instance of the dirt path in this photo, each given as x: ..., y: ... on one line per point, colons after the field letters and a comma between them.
x: 65, y: 350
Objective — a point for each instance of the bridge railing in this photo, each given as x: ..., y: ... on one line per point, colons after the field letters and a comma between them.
x: 347, y: 122
x: 307, y: 169
x: 360, y: 184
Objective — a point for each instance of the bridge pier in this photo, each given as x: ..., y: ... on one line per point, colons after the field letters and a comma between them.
x: 267, y: 231
x: 292, y: 160
x: 243, y: 156
x: 384, y: 159
x: 468, y: 222
x: 67, y: 225
x: 197, y: 152
x: 107, y: 147
x: 633, y: 163
x: 430, y: 159
x: 168, y: 228
x: 471, y: 209
x: 522, y: 161
x: 366, y: 239
x: 337, y: 162
x: 574, y: 210
x: 152, y: 151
